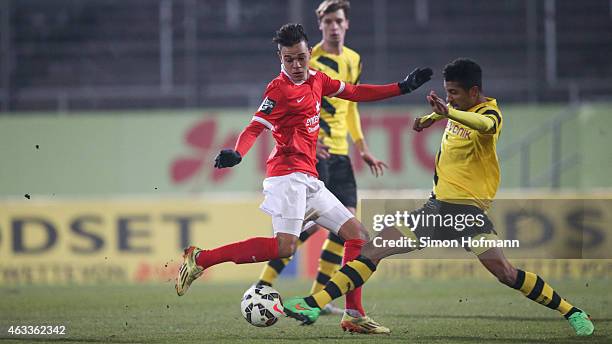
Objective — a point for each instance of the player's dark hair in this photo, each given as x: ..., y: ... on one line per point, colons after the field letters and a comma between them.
x: 329, y: 6
x: 290, y: 34
x: 464, y: 71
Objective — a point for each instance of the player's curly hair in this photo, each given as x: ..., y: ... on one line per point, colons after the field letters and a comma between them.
x: 464, y: 71
x: 290, y: 34
x: 329, y: 6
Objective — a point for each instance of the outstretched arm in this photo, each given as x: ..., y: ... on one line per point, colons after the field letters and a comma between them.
x: 368, y: 93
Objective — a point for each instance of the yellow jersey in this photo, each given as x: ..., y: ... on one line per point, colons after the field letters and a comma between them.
x: 467, y: 168
x: 338, y: 116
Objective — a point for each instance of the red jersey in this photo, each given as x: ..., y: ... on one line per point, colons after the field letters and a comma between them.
x: 291, y: 111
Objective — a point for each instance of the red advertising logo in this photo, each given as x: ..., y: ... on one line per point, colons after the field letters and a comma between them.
x: 201, y: 138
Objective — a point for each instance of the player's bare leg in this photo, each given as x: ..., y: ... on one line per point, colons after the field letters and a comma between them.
x: 329, y: 262
x: 536, y: 289
x: 287, y: 244
x: 275, y: 267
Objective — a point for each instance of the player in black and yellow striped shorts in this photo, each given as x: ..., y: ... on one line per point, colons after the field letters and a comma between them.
x: 466, y: 180
x: 338, y: 119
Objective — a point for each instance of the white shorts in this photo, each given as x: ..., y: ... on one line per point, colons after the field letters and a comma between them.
x: 296, y: 198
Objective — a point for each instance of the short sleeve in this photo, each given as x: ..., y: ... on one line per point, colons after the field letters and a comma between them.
x: 495, y: 116
x: 271, y: 107
x: 331, y: 87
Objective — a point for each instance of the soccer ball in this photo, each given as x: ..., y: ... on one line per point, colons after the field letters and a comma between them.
x: 261, y: 306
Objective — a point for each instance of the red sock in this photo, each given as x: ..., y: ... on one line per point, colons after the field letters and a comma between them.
x: 352, y: 249
x: 242, y: 252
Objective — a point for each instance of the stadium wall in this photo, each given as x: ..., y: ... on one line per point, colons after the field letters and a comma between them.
x: 120, y: 241
x: 153, y: 153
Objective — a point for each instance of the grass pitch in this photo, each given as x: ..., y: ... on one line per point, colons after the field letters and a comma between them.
x: 417, y: 312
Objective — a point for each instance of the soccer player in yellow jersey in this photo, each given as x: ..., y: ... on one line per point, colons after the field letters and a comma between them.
x: 339, y: 118
x: 466, y: 180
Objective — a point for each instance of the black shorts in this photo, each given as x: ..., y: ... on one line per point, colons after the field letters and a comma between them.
x: 467, y: 221
x: 337, y: 174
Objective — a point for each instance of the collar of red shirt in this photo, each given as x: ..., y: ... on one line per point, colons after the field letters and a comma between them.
x: 310, y: 72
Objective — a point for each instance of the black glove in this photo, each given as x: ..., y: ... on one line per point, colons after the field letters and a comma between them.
x: 227, y: 158
x: 415, y: 79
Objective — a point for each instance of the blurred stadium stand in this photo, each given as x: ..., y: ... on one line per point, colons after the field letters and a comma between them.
x: 65, y: 55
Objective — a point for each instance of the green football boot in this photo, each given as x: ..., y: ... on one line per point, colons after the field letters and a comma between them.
x: 581, y: 323
x: 299, y: 310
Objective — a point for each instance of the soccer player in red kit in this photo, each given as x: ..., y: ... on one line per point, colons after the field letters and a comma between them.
x: 293, y: 194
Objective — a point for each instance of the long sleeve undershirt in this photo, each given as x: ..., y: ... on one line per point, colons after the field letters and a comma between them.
x: 248, y: 136
x: 369, y: 93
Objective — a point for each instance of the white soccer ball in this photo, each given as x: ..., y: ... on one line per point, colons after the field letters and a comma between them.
x: 261, y: 306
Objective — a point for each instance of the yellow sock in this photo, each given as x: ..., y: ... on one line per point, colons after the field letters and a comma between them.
x: 352, y: 275
x: 329, y: 263
x: 534, y: 288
